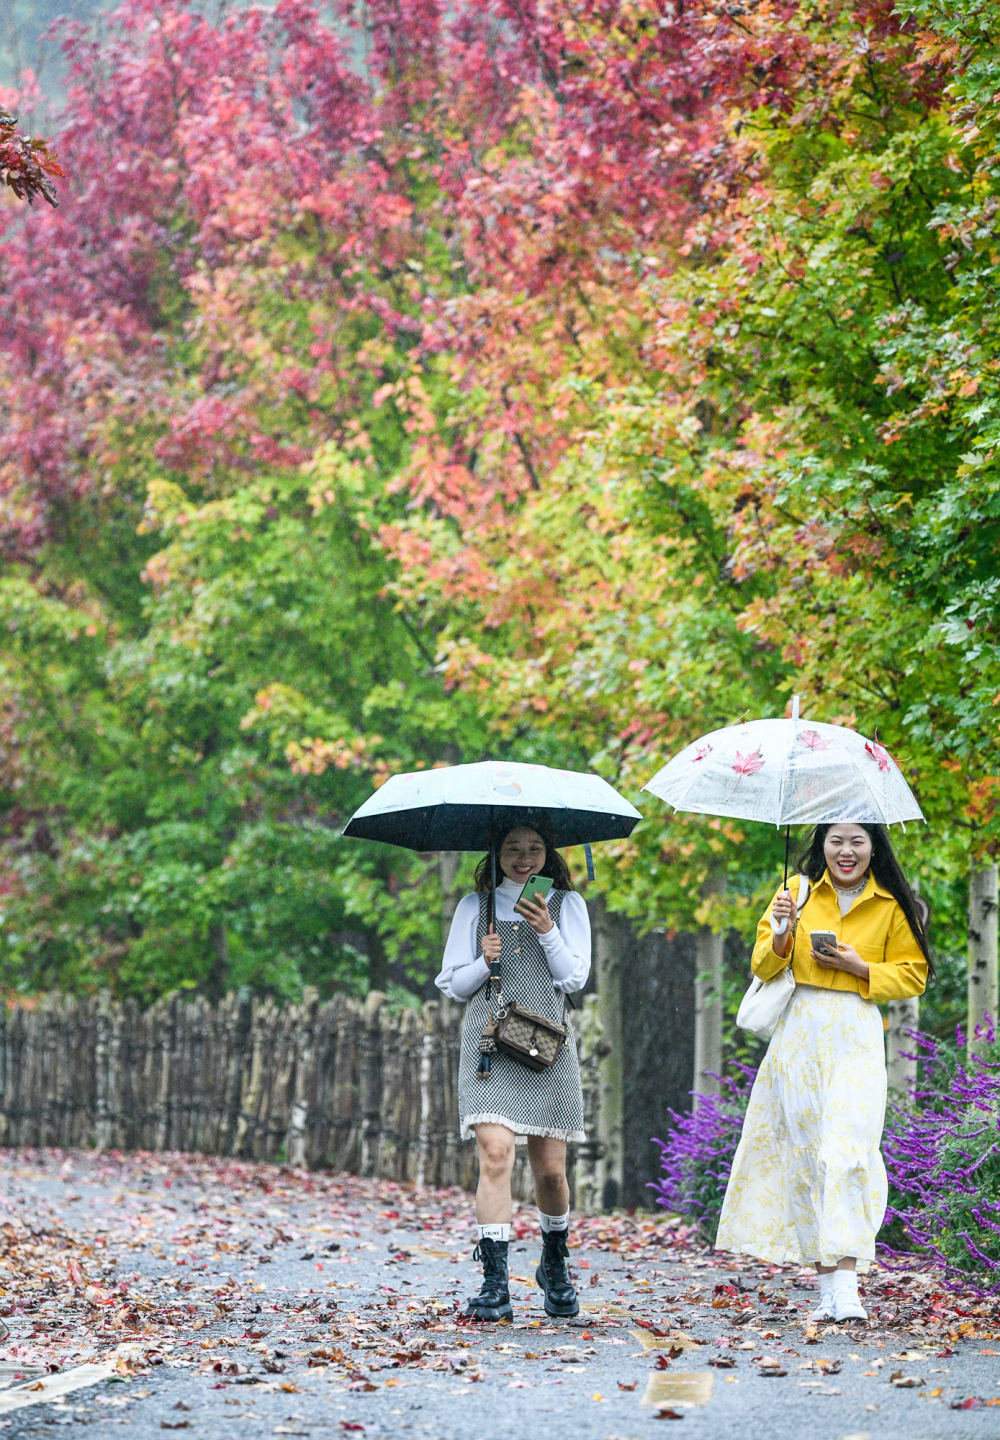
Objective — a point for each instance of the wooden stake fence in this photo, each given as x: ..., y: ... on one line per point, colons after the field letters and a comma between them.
x: 341, y: 1085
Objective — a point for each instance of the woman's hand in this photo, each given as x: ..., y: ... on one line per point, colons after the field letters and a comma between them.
x: 536, y: 912
x: 784, y: 908
x: 845, y: 958
x: 491, y: 946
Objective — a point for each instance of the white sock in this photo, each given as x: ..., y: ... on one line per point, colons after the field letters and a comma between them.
x: 825, y: 1306
x: 494, y: 1232
x: 553, y: 1222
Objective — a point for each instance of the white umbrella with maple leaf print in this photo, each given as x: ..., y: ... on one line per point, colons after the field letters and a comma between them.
x: 787, y: 772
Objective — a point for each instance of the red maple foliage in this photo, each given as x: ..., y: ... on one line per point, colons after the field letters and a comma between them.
x: 27, y: 165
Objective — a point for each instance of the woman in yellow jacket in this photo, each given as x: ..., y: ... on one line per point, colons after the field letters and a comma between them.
x: 808, y: 1184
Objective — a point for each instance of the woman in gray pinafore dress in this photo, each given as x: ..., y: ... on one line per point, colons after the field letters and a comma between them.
x: 544, y: 952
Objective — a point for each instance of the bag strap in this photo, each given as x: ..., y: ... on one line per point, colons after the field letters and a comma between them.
x: 493, y: 980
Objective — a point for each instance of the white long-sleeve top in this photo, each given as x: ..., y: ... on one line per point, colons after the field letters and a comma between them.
x: 566, y: 946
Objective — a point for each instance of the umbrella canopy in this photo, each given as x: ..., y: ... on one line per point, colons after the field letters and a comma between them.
x: 465, y: 807
x: 787, y: 772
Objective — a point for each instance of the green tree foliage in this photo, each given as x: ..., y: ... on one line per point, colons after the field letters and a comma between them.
x: 204, y: 673
x: 558, y: 383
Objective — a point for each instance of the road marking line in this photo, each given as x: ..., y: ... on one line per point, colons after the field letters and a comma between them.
x: 51, y: 1387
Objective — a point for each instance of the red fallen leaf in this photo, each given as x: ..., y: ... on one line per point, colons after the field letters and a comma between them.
x: 972, y: 1403
x: 722, y: 1362
x: 623, y: 1386
x: 667, y: 1414
x: 700, y: 753
x: 350, y: 1425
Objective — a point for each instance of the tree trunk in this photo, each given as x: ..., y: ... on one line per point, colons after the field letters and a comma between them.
x: 709, y: 963
x: 609, y: 957
x: 378, y: 964
x: 448, y: 862
x: 904, y: 1017
x: 982, y: 949
x: 901, y: 1062
x: 218, y: 975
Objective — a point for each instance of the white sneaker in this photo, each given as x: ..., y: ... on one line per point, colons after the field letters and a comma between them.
x: 846, y: 1302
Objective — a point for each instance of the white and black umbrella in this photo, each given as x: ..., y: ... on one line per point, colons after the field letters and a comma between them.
x: 470, y: 807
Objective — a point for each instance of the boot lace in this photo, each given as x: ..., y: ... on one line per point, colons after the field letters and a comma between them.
x: 491, y: 1256
x: 555, y: 1253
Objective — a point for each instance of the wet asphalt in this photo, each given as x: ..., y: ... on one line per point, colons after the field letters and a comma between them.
x: 299, y: 1312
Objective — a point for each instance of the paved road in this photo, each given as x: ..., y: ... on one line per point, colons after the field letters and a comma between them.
x: 255, y: 1301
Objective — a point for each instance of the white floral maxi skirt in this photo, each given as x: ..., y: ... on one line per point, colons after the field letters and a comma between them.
x: 808, y: 1183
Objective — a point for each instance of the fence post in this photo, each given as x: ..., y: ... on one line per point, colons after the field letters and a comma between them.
x: 428, y: 1017
x: 371, y: 1082
x: 296, y: 1135
x: 102, y: 1071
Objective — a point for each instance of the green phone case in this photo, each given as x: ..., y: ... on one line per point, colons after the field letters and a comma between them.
x: 537, y: 885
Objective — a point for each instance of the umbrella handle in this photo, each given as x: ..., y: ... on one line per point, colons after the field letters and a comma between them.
x: 491, y: 898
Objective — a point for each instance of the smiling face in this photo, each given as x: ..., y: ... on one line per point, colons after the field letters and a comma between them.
x: 522, y: 853
x: 847, y: 850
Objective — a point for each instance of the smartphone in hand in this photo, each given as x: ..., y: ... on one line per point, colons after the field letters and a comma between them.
x: 824, y: 941
x: 538, y: 886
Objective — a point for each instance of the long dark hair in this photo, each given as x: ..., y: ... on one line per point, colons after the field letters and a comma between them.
x: 554, y: 865
x: 884, y: 866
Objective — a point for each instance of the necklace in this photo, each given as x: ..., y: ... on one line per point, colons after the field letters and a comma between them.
x: 850, y: 890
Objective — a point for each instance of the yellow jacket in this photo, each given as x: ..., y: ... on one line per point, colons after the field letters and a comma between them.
x: 875, y: 926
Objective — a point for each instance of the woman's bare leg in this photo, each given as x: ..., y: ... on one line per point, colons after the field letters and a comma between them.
x: 495, y: 1148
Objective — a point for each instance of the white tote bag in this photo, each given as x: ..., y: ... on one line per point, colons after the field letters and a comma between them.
x: 764, y: 1003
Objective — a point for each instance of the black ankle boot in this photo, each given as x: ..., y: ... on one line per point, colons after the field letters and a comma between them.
x: 493, y: 1300
x: 552, y: 1275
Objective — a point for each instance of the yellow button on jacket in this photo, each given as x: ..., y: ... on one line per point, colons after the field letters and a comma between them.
x: 876, y: 928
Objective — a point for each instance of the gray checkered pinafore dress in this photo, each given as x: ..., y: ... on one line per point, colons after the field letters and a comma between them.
x: 529, y: 1102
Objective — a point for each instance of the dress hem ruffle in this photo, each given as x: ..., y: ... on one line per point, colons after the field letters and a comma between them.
x: 521, y: 1132
x: 789, y: 1257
